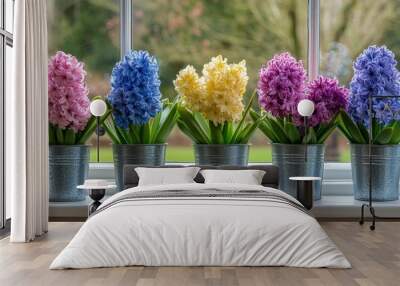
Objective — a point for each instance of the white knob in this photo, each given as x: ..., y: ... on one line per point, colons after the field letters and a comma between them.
x: 98, y: 107
x: 305, y: 107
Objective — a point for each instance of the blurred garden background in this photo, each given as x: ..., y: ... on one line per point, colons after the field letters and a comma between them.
x: 181, y: 32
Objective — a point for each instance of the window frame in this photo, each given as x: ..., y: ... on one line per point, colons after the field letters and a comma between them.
x: 6, y: 39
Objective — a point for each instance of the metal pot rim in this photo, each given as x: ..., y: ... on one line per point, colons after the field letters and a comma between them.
x: 375, y: 145
x: 72, y: 145
x: 155, y: 144
x: 195, y: 144
x: 286, y: 144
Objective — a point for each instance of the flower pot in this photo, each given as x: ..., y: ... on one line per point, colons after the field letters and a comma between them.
x: 291, y: 160
x: 136, y: 154
x: 385, y: 172
x: 68, y: 168
x: 221, y: 154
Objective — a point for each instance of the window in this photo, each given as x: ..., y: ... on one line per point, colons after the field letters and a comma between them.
x: 347, y: 28
x: 9, y: 15
x: 89, y: 30
x: 191, y: 32
x: 6, y: 43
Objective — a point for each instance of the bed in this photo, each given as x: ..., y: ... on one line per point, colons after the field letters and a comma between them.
x: 199, y: 224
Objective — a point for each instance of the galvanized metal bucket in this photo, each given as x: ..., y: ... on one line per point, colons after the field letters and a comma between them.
x: 136, y: 154
x: 221, y: 154
x: 291, y: 160
x: 68, y: 168
x: 385, y: 171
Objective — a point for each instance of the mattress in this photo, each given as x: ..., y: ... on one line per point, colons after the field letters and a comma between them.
x: 201, y: 225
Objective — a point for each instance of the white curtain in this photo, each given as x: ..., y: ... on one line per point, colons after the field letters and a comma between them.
x: 27, y: 124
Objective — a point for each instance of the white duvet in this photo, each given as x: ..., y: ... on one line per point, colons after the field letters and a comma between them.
x: 200, y: 231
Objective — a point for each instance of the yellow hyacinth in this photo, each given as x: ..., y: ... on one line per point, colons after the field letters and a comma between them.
x: 188, y: 85
x: 218, y: 93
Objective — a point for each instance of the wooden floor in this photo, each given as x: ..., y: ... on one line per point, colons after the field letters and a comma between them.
x: 375, y: 257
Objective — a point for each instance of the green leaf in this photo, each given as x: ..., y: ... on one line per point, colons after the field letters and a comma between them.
x: 324, y: 130
x: 60, y: 136
x: 111, y: 132
x: 268, y: 132
x: 244, y: 115
x: 69, y: 137
x: 188, y: 132
x: 396, y: 133
x: 250, y: 128
x: 90, y: 128
x: 123, y: 135
x: 384, y: 136
x: 363, y: 131
x: 292, y: 132
x: 324, y: 133
x: 132, y: 135
x: 349, y: 128
x: 202, y: 122
x: 194, y: 125
x: 145, y: 133
x: 155, y: 124
x: 254, y: 115
x: 311, y: 137
x: 264, y: 126
x: 227, y: 132
x: 376, y: 129
x: 52, y: 135
x: 216, y: 133
x: 278, y: 129
x: 167, y: 123
x: 88, y: 131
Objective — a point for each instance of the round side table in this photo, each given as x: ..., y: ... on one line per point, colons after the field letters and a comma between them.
x: 96, y: 193
x: 305, y: 190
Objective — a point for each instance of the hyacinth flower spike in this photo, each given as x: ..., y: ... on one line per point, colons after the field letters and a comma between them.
x: 375, y: 74
x: 282, y: 84
x: 139, y: 115
x: 69, y: 115
x: 212, y: 109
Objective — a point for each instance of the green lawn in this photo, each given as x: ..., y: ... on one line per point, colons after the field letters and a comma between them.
x: 345, y: 156
x: 185, y: 154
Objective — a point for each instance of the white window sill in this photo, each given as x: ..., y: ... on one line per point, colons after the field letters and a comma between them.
x: 337, y: 199
x: 337, y: 177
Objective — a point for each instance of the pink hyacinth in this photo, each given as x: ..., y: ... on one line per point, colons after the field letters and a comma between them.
x: 281, y: 85
x: 68, y: 94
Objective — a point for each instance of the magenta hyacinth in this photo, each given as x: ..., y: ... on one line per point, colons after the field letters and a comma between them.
x: 281, y: 85
x: 328, y: 96
x: 68, y: 94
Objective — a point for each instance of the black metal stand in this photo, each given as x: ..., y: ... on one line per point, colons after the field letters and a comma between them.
x: 305, y: 137
x: 369, y: 205
x: 98, y: 138
x: 305, y: 193
x: 96, y: 195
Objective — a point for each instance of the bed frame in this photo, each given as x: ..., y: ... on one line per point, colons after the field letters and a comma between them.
x: 270, y: 179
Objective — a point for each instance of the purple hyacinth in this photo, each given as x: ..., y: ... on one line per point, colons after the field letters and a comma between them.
x: 281, y: 85
x: 375, y: 73
x: 328, y: 97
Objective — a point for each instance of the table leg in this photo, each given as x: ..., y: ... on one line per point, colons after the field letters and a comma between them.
x: 305, y: 193
x: 96, y: 195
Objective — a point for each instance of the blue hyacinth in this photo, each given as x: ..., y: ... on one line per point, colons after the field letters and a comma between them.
x: 375, y: 73
x: 135, y: 89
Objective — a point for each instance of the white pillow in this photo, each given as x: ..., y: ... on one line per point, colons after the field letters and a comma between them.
x: 166, y: 176
x: 247, y: 177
